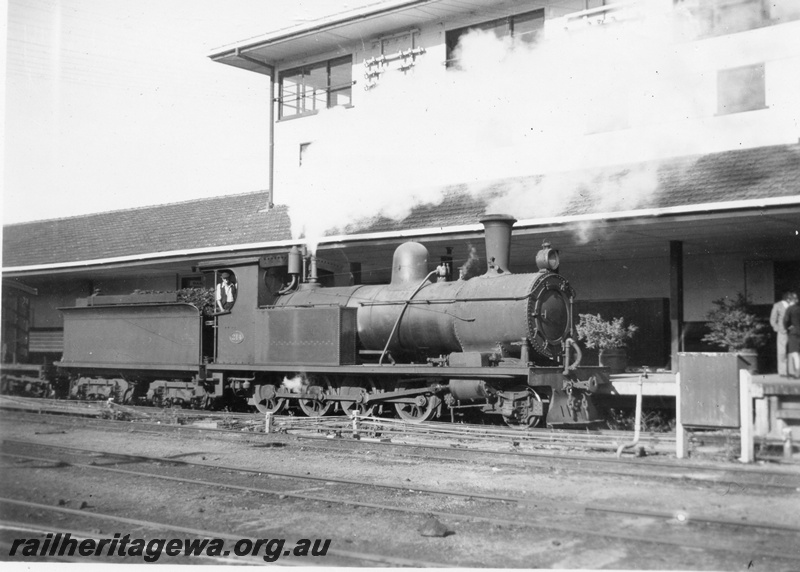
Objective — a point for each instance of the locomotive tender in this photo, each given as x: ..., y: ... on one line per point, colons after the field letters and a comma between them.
x: 499, y: 343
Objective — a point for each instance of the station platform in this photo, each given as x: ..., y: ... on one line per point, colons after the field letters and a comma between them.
x: 777, y: 406
x: 663, y: 384
x: 660, y: 384
x: 776, y: 399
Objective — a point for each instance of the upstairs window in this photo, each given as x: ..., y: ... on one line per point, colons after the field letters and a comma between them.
x: 718, y: 17
x: 522, y: 27
x: 741, y: 89
x: 307, y: 89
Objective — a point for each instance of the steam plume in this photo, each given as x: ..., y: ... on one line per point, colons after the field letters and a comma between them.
x: 561, y: 121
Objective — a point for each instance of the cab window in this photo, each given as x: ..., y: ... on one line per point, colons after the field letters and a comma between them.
x: 225, y: 291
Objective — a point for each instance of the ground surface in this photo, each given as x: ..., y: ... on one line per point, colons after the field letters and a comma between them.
x: 556, y: 497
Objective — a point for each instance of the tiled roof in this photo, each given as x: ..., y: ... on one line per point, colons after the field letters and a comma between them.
x: 218, y: 221
x: 759, y: 173
x: 456, y: 208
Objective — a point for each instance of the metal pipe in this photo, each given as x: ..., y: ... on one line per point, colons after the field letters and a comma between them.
x: 289, y: 287
x: 402, y: 311
x: 272, y: 101
x: 271, y: 200
x: 568, y: 367
x: 312, y: 271
x: 295, y: 269
x: 402, y: 54
x: 638, y: 421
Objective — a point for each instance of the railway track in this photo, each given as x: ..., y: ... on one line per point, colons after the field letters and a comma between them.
x: 466, y: 434
x: 569, y: 520
x: 506, y: 449
x: 727, y: 475
x: 456, y: 435
x: 443, y: 443
x: 112, y: 456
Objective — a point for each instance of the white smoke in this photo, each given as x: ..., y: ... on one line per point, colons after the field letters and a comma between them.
x: 472, y: 266
x: 296, y: 384
x: 513, y: 111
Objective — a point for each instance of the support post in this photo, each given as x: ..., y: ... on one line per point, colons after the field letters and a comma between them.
x: 762, y: 417
x: 268, y: 422
x: 676, y: 300
x: 355, y: 273
x: 680, y: 433
x: 746, y: 416
x: 788, y: 445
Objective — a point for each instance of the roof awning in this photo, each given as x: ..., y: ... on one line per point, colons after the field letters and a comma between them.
x: 333, y: 33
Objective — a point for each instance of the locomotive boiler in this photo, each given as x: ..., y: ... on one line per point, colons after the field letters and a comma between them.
x: 422, y: 345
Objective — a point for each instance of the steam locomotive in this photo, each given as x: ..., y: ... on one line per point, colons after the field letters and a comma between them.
x: 497, y: 344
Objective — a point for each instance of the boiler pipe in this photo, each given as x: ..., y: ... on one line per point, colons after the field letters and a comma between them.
x: 400, y: 317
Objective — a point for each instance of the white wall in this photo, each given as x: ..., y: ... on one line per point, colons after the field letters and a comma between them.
x: 682, y: 121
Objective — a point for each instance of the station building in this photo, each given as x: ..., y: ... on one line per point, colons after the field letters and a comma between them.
x: 666, y: 170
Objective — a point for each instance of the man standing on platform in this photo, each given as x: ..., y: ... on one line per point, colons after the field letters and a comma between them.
x: 791, y: 329
x: 776, y: 321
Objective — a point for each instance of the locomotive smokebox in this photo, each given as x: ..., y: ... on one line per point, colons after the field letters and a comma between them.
x: 498, y: 242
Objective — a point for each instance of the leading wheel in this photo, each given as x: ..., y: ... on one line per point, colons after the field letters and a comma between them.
x: 317, y: 386
x: 423, y: 409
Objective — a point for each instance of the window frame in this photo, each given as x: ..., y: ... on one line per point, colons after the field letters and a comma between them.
x: 234, y: 282
x: 308, y: 93
x: 453, y: 37
x: 749, y: 95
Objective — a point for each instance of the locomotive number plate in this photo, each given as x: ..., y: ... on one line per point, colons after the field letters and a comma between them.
x: 236, y: 337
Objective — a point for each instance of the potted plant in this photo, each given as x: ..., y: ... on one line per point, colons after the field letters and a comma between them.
x: 733, y: 325
x: 608, y: 336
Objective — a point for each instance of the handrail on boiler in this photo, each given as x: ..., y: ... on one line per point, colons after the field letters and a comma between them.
x: 400, y: 316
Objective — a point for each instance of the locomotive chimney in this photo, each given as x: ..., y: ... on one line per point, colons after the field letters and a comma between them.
x: 498, y: 242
